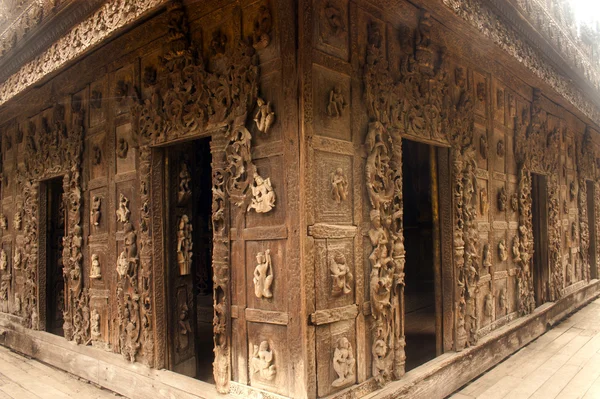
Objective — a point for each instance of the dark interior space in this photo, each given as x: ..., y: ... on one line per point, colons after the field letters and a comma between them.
x: 419, y: 295
x: 539, y: 210
x: 591, y: 212
x: 55, y: 225
x: 196, y: 322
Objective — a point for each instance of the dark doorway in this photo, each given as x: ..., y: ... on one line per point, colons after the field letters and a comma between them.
x: 421, y: 229
x: 55, y: 231
x: 539, y: 210
x: 591, y: 211
x: 189, y: 220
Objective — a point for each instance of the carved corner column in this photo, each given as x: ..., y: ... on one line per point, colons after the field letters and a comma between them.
x: 554, y: 238
x: 524, y: 275
x: 221, y: 265
x: 459, y: 253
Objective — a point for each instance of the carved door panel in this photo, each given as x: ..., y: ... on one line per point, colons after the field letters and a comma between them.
x: 179, y: 219
x: 190, y: 258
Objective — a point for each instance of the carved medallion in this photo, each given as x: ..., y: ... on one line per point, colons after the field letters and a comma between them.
x: 262, y: 362
x: 263, y: 275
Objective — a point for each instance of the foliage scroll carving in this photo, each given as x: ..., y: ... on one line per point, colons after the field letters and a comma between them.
x: 421, y: 102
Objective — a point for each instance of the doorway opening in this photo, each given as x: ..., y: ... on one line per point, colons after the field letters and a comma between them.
x: 189, y: 244
x: 55, y: 231
x: 591, y: 211
x: 539, y: 211
x: 422, y: 295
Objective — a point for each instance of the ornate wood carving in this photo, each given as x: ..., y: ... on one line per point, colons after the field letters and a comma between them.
x: 263, y: 275
x: 536, y: 149
x: 262, y: 362
x: 418, y: 104
x: 585, y: 160
x: 343, y: 363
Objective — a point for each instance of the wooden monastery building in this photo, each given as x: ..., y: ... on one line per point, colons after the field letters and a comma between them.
x: 294, y: 198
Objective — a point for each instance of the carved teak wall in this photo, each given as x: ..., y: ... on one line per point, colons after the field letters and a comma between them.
x: 307, y: 220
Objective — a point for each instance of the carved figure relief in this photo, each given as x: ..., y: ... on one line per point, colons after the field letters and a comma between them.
x: 122, y: 148
x: 514, y: 202
x: 184, y: 245
x: 502, y: 199
x: 483, y: 146
x: 340, y: 274
x: 337, y: 103
x: 565, y: 207
x: 3, y: 222
x: 17, y: 259
x: 484, y: 204
x: 487, y: 256
x: 123, y: 211
x: 95, y: 212
x: 18, y: 218
x: 3, y: 260
x: 185, y: 328
x: 96, y: 155
x: 481, y: 92
x: 343, y: 363
x: 95, y: 270
x: 262, y: 362
x: 488, y: 305
x: 261, y: 35
x: 335, y: 22
x: 263, y: 275
x: 185, y: 192
x: 121, y: 90
x: 218, y: 43
x: 339, y: 186
x: 499, y: 98
x: 500, y: 148
x: 502, y: 251
x: 572, y: 191
x: 95, y: 327
x: 96, y: 99
x: 264, y: 117
x: 263, y: 196
x: 515, y: 249
x: 502, y: 301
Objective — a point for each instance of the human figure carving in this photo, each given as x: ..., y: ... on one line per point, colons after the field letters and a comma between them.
x: 502, y: 199
x: 184, y: 327
x: 122, y: 264
x: 18, y: 219
x: 502, y: 251
x: 95, y: 271
x: 17, y: 259
x: 3, y: 223
x: 185, y: 192
x: 263, y: 275
x: 262, y: 361
x: 484, y: 205
x: 95, y: 325
x: 343, y: 363
x: 95, y: 213
x: 3, y: 260
x: 262, y: 28
x: 122, y: 148
x: 337, y: 104
x: 339, y: 186
x: 184, y: 246
x: 334, y: 19
x: 487, y: 256
x: 340, y: 274
x: 263, y: 196
x: 515, y: 249
x: 265, y: 117
x: 123, y: 212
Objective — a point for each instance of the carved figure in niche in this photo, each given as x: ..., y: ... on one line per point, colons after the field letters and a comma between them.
x: 95, y: 270
x: 263, y: 275
x: 424, y: 55
x: 502, y: 251
x: 515, y: 249
x: 4, y: 288
x: 265, y: 117
x: 96, y: 99
x: 96, y: 155
x: 149, y: 76
x: 335, y: 22
x: 565, y: 207
x: 483, y: 147
x: 122, y: 265
x: 3, y: 260
x: 130, y: 241
x: 572, y: 191
x: 500, y: 148
x: 95, y: 325
x: 185, y: 192
x: 514, y: 202
x: 502, y: 198
x: 499, y: 98
x: 262, y: 362
x: 122, y: 148
x: 337, y: 104
x: 573, y: 232
x: 263, y: 196
x: 374, y: 36
x: 123, y: 212
x: 184, y: 245
x: 502, y: 300
x: 95, y: 212
x: 17, y: 304
x: 484, y: 204
x: 339, y: 186
x: 18, y: 218
x: 340, y: 274
x: 184, y: 327
x: 343, y: 363
x: 261, y: 36
x: 17, y: 259
x: 121, y: 90
x: 380, y: 352
x: 218, y: 43
x: 3, y: 223
x: 487, y: 256
x: 488, y: 305
x: 481, y: 91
